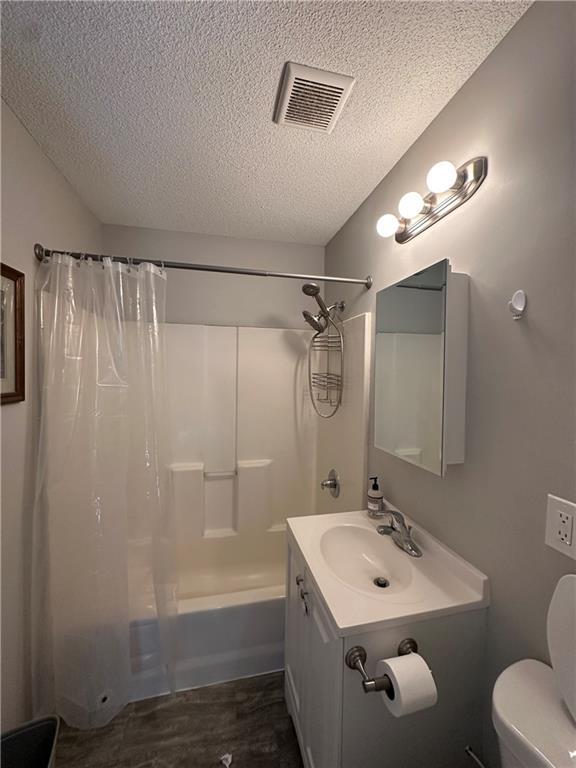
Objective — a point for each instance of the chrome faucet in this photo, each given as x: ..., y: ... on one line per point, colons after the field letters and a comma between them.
x: 400, y: 533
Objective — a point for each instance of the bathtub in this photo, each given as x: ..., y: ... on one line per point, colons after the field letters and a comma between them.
x: 230, y: 625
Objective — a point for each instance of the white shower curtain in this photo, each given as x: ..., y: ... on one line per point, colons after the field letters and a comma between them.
x: 103, y: 532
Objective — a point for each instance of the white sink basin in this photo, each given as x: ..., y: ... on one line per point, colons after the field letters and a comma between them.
x: 359, y: 557
x: 345, y: 556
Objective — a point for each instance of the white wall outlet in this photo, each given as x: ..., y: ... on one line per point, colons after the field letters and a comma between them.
x: 565, y: 525
x: 560, y: 526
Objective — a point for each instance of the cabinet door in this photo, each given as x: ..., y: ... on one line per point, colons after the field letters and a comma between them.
x: 294, y: 644
x: 321, y: 687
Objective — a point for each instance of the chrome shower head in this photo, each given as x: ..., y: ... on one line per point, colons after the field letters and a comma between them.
x: 313, y: 321
x: 313, y: 289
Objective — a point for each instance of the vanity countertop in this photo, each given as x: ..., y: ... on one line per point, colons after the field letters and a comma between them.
x: 344, y: 554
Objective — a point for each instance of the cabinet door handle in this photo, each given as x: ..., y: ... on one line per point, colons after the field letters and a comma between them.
x: 299, y: 580
x: 303, y: 596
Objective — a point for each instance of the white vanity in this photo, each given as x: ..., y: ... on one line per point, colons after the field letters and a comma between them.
x: 336, y: 563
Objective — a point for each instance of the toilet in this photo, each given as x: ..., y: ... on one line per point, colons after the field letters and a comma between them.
x: 534, y: 705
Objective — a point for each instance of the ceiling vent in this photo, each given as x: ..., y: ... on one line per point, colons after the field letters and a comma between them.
x: 311, y: 98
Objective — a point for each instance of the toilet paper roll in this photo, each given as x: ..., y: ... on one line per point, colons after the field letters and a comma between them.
x: 414, y: 686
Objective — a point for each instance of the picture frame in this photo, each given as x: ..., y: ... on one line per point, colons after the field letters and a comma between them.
x: 12, y: 367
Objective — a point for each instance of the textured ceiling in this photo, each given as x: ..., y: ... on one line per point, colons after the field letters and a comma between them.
x: 160, y: 113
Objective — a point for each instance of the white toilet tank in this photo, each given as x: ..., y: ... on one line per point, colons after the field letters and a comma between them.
x: 532, y: 702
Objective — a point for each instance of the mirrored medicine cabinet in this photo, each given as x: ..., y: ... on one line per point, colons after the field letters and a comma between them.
x: 420, y: 368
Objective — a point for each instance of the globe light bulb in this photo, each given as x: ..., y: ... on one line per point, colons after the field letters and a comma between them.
x: 387, y: 225
x: 442, y: 176
x: 410, y: 205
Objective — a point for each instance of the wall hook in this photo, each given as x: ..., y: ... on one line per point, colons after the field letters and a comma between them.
x: 517, y: 305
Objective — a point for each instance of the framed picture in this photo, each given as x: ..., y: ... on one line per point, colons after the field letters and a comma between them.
x: 11, y: 334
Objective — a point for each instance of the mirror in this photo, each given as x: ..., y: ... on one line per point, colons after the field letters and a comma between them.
x: 409, y: 368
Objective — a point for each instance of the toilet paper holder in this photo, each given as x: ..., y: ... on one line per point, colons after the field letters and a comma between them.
x: 356, y: 658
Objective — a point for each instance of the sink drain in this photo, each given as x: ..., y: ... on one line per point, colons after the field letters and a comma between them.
x: 381, y: 582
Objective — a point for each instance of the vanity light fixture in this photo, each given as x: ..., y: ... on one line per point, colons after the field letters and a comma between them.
x: 448, y: 187
x: 387, y: 225
x: 443, y: 176
x: 411, y: 204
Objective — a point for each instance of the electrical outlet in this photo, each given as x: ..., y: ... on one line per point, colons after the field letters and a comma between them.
x: 560, y: 534
x: 565, y: 525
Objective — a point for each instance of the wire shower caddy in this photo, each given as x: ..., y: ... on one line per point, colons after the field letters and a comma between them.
x: 326, y: 369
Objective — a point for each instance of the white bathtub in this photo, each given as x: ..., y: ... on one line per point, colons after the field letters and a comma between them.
x: 220, y: 637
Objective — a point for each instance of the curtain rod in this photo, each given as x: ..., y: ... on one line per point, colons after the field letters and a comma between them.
x: 40, y: 252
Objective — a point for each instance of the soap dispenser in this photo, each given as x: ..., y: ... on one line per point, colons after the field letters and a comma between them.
x: 375, y: 499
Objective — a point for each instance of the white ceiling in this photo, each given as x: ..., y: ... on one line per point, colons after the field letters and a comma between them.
x: 160, y: 113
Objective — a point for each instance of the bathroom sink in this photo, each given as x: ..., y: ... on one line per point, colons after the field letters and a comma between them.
x: 366, y: 581
x: 360, y: 558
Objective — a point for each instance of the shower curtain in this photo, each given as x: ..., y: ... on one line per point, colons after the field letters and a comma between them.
x: 103, y: 531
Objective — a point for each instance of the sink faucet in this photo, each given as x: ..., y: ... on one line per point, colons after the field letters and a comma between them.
x: 400, y: 533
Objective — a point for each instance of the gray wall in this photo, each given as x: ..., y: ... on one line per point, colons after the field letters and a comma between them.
x: 217, y: 299
x: 38, y: 205
x: 517, y: 232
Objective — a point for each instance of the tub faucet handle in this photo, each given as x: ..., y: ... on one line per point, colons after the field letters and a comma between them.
x: 332, y: 482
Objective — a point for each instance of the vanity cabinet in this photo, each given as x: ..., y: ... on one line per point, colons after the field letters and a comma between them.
x: 313, y: 670
x: 337, y: 724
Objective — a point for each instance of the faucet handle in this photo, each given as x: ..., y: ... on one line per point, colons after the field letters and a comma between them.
x: 397, y: 519
x: 332, y: 482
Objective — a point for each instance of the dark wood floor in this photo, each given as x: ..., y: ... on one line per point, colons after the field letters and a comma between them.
x: 246, y: 718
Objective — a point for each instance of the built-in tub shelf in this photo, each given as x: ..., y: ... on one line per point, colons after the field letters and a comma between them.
x: 241, y: 497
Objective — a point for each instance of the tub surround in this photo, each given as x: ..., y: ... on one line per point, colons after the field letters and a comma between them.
x: 342, y: 439
x: 246, y: 454
x: 243, y: 439
x: 241, y: 429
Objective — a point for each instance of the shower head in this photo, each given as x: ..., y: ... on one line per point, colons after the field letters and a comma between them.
x: 312, y: 289
x: 313, y: 321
